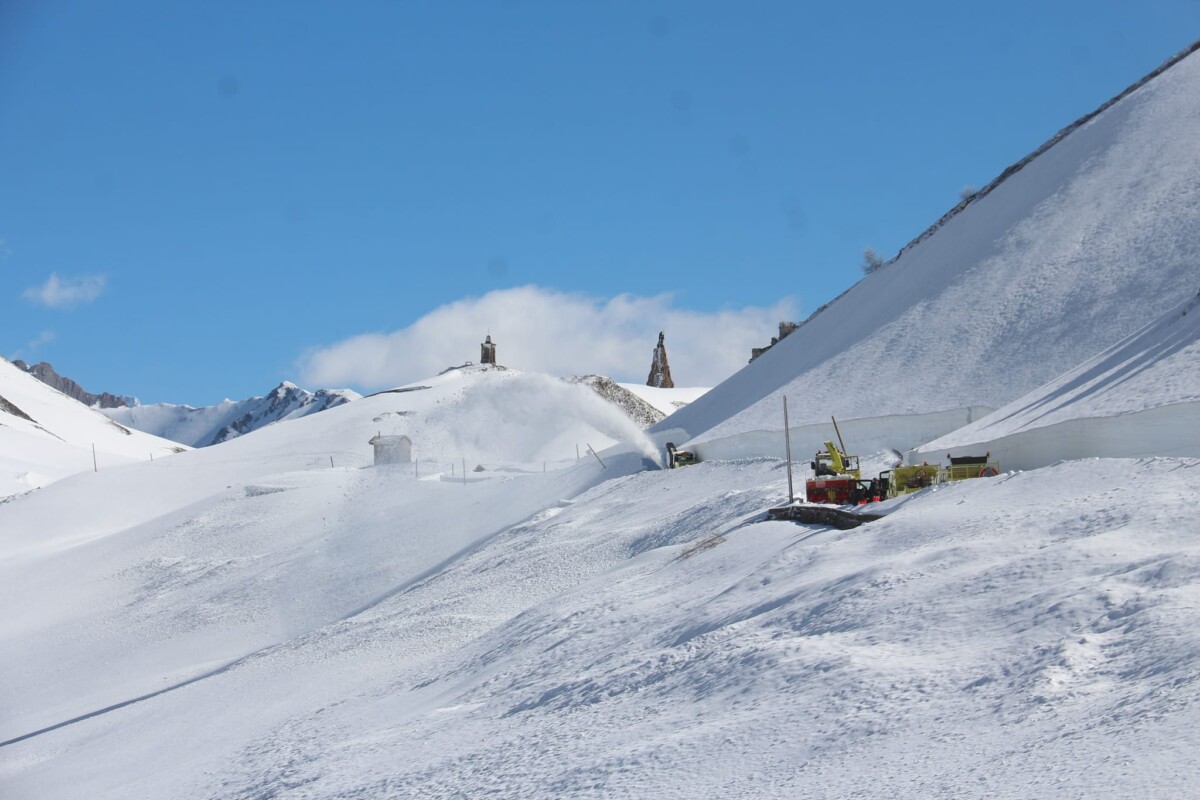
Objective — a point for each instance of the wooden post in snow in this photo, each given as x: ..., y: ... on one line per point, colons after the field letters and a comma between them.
x: 593, y: 452
x: 95, y: 466
x: 787, y: 441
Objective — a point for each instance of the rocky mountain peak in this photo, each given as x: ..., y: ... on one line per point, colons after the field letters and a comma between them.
x: 660, y: 370
x: 45, y: 373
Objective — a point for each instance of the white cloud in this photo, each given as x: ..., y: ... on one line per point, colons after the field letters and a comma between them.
x: 42, y: 339
x: 543, y: 330
x: 33, y: 345
x: 65, y: 293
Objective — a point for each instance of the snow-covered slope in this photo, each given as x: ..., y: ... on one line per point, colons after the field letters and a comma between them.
x: 1139, y: 397
x: 201, y: 427
x: 210, y: 629
x: 46, y: 436
x: 668, y: 401
x: 44, y: 371
x: 1063, y: 258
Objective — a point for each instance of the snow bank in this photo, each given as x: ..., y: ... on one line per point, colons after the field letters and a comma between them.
x: 1172, y: 430
x: 862, y: 436
x: 1138, y: 398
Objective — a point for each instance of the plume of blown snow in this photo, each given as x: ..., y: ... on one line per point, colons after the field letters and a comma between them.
x: 515, y: 420
x: 559, y: 333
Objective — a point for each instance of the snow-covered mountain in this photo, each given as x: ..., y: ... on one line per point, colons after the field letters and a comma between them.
x: 45, y: 372
x: 271, y: 618
x: 46, y: 435
x: 1066, y: 254
x: 209, y: 425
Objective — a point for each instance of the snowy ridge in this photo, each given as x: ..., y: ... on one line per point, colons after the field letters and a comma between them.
x: 46, y: 435
x: 209, y: 425
x: 46, y: 373
x: 1053, y: 140
x: 1064, y: 257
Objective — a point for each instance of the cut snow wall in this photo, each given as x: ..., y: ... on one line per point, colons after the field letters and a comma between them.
x: 1172, y: 431
x: 862, y: 436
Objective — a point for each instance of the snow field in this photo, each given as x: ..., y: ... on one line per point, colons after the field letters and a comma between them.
x: 179, y: 571
x: 1023, y: 636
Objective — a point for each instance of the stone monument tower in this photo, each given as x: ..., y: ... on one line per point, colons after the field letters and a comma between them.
x: 660, y: 370
x: 487, y: 354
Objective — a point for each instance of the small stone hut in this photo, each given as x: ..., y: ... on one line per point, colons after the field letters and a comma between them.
x: 391, y: 449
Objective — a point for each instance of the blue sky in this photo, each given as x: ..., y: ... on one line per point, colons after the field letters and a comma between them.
x: 198, y: 200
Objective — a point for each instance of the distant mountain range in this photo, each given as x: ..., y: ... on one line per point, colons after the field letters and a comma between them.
x: 208, y: 425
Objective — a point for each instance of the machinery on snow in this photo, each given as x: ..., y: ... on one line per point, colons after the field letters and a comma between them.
x: 838, y: 480
x: 680, y: 458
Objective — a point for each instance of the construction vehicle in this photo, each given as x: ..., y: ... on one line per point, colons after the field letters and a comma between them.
x: 680, y: 458
x: 965, y: 467
x: 908, y: 479
x: 837, y: 479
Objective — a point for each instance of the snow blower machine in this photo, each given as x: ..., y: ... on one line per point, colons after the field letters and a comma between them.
x: 680, y: 458
x: 837, y: 479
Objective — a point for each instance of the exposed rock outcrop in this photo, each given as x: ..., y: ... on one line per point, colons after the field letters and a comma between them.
x: 660, y: 370
x: 784, y: 329
x: 46, y: 374
x: 635, y: 407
